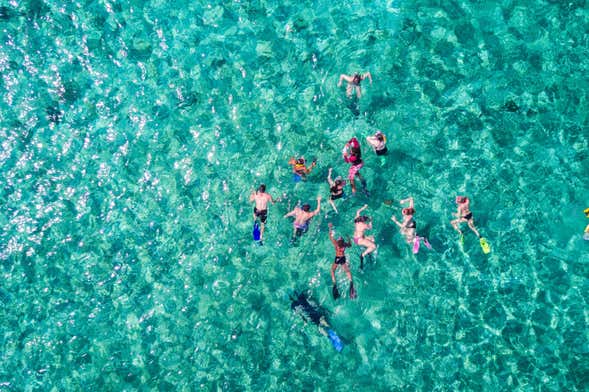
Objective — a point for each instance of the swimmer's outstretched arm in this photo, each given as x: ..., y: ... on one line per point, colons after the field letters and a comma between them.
x: 347, y: 78
x: 292, y: 213
x: 372, y: 140
x: 333, y: 241
x: 409, y: 199
x: 394, y: 219
x: 318, y: 206
x: 367, y: 75
x: 329, y: 180
x: 361, y: 209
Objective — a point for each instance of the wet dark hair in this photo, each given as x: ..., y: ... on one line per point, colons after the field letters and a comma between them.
x: 343, y: 244
x: 361, y: 218
x: 380, y: 137
x: 262, y: 188
x: 408, y: 211
x: 339, y: 182
x: 301, y: 161
x: 357, y: 78
x: 306, y: 207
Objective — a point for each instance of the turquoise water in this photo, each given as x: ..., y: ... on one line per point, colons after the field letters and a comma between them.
x: 132, y: 133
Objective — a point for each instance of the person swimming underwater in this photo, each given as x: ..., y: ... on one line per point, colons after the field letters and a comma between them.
x: 310, y: 311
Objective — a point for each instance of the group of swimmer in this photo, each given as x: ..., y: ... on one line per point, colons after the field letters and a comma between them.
x: 303, y: 214
x: 352, y: 155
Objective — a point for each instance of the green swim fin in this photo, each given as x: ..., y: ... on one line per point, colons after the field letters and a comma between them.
x: 485, y: 245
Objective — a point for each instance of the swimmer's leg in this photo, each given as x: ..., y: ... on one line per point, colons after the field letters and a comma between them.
x: 333, y: 205
x: 455, y: 223
x: 471, y: 225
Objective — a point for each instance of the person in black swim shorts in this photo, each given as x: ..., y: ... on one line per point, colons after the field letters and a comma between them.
x: 463, y: 214
x: 340, y: 260
x: 261, y: 199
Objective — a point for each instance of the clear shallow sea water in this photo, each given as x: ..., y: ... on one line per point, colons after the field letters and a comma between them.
x: 132, y: 132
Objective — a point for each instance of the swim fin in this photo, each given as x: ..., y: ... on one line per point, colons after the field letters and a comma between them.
x: 485, y: 245
x: 335, y: 340
x: 335, y: 291
x: 364, y: 190
x: 426, y: 243
x: 256, y: 231
x: 353, y: 293
x: 416, y: 241
x: 361, y: 262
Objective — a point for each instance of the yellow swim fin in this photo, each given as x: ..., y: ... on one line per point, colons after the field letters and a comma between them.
x: 485, y: 245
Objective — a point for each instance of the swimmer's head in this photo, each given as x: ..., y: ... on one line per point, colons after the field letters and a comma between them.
x: 306, y: 207
x: 339, y: 181
x: 461, y: 199
x: 357, y: 78
x: 379, y: 136
x: 262, y: 188
x: 341, y: 243
x: 362, y: 218
x: 586, y: 212
x: 301, y: 161
x: 408, y: 211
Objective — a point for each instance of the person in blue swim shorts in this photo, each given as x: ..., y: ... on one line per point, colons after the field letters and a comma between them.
x: 302, y: 217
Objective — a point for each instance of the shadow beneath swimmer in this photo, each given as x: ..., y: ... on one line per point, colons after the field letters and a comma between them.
x: 353, y: 105
x: 310, y: 311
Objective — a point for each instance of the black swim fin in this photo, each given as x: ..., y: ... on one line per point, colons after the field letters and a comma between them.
x: 353, y: 294
x: 335, y: 291
x: 361, y: 262
x: 364, y: 190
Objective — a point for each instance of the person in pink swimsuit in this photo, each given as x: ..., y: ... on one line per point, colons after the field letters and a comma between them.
x: 361, y: 224
x: 352, y: 155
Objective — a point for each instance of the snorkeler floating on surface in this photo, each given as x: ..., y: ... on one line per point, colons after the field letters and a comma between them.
x: 463, y: 214
x: 302, y: 217
x: 310, y: 311
x: 408, y: 226
x: 299, y: 168
x: 336, y: 189
x: 361, y: 224
x: 340, y: 260
x: 378, y: 143
x: 354, y: 83
x: 261, y: 199
x: 353, y: 155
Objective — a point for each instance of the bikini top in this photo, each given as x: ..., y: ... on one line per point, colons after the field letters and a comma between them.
x: 411, y: 224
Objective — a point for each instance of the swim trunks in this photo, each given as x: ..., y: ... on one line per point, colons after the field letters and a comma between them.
x: 300, y: 229
x: 340, y: 260
x: 381, y: 152
x: 467, y: 216
x: 262, y: 214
